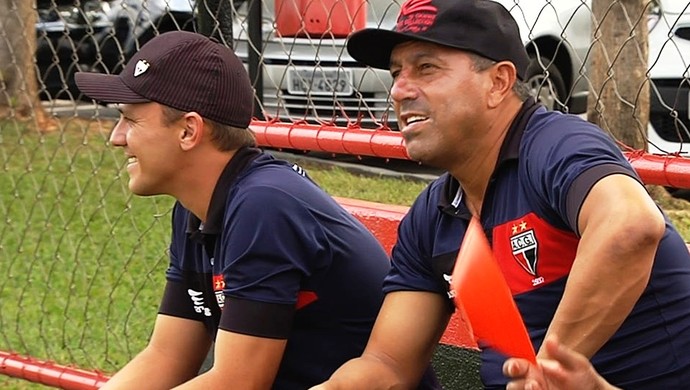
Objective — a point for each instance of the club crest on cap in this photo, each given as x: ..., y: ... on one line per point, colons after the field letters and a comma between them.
x: 416, y: 16
x: 141, y: 67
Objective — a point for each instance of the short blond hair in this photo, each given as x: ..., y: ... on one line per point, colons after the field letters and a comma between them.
x: 225, y: 137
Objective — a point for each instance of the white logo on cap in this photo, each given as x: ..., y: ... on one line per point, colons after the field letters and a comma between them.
x: 141, y: 67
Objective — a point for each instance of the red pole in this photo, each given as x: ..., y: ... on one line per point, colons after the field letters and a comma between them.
x: 49, y: 374
x: 331, y: 139
x: 668, y: 170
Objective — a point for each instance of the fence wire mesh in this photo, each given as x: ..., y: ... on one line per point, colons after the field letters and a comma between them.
x: 83, y: 260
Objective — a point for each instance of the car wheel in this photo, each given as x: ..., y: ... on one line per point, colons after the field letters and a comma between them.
x: 546, y: 84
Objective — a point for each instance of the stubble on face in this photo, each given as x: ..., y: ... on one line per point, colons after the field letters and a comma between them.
x: 435, y: 100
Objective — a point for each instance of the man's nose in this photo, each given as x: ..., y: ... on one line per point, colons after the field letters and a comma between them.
x: 402, y: 88
x: 118, y: 135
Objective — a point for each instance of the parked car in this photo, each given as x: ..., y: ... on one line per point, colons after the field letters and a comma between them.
x: 562, y: 55
x: 131, y: 24
x: 63, y: 29
x: 98, y: 35
x: 669, y: 59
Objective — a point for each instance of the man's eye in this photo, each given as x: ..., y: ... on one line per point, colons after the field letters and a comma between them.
x: 425, y: 66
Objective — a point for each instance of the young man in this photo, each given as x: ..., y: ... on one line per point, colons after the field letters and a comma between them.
x: 589, y: 257
x: 262, y: 261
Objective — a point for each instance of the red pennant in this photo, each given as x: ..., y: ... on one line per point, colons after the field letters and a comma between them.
x: 480, y: 290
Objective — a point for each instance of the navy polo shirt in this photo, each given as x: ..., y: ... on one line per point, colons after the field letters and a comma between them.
x: 547, y: 165
x: 278, y: 258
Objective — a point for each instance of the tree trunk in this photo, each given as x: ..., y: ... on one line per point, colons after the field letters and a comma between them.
x: 19, y: 99
x: 619, y: 89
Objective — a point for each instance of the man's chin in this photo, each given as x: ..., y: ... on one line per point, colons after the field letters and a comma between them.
x: 138, y: 190
x: 424, y: 158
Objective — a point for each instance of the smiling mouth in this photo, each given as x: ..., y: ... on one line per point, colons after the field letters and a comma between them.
x: 131, y: 160
x: 415, y: 119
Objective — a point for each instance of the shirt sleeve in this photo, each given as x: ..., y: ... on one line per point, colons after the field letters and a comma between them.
x: 274, y: 247
x: 260, y: 319
x: 176, y: 302
x: 412, y: 268
x: 563, y: 168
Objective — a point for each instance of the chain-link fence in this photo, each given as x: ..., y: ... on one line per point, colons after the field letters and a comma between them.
x: 83, y: 261
x: 302, y: 72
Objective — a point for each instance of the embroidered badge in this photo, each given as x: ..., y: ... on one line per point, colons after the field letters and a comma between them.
x: 141, y: 67
x: 524, y: 246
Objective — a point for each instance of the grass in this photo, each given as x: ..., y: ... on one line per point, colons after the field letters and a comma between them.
x: 339, y: 182
x: 83, y: 261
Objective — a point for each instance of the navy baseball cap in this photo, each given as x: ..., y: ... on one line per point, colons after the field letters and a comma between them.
x: 483, y: 27
x: 183, y: 70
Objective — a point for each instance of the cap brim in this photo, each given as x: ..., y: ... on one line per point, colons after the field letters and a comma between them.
x: 373, y: 46
x: 106, y: 88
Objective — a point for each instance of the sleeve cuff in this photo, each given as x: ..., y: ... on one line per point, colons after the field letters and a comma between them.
x: 261, y: 319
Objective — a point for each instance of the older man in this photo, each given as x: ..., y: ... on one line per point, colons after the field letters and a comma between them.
x: 588, y: 256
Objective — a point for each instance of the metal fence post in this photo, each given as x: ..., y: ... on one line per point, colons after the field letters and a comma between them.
x: 214, y: 19
x: 254, y: 57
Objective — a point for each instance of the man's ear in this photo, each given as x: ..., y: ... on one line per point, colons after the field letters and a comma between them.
x: 192, y: 132
x: 503, y: 77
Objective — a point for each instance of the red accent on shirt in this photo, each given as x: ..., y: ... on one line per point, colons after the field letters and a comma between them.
x: 218, y: 283
x: 532, y: 253
x: 304, y: 298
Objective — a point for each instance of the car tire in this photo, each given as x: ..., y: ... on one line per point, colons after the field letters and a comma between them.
x: 547, y: 85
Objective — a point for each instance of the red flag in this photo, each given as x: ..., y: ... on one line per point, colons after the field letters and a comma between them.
x: 481, y: 291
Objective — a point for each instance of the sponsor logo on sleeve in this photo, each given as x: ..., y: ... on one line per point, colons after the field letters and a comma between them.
x: 218, y: 286
x: 198, y: 302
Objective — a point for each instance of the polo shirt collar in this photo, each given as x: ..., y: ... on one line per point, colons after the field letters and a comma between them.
x: 451, y: 196
x: 216, y: 208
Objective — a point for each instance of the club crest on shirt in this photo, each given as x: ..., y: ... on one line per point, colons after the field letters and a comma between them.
x: 524, y: 246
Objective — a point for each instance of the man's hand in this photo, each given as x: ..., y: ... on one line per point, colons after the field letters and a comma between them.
x: 524, y: 374
x: 172, y: 358
x: 565, y: 369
